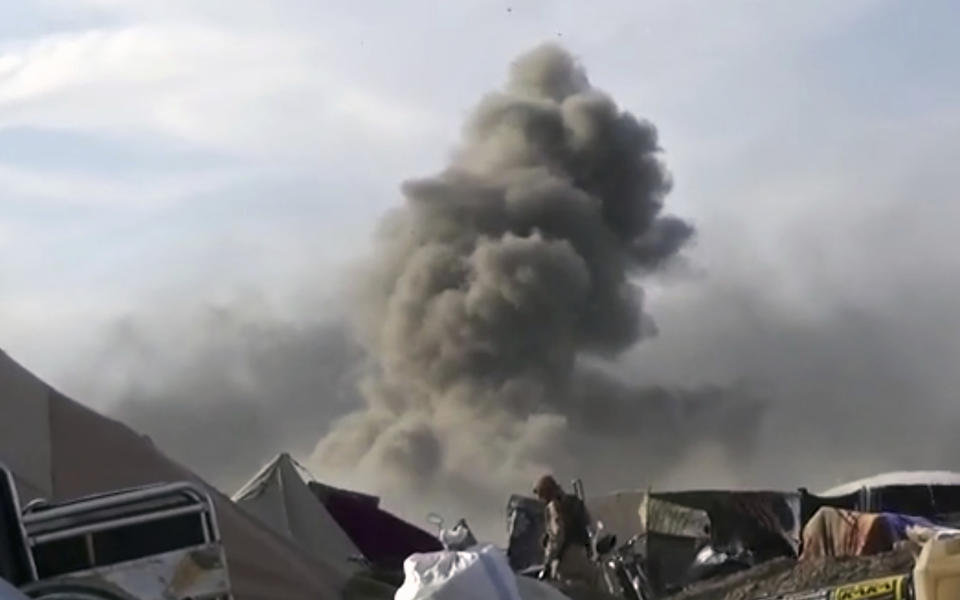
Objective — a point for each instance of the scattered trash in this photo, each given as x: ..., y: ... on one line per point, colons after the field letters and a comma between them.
x: 457, y: 538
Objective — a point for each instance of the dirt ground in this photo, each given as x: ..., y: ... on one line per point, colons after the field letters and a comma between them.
x: 785, y: 576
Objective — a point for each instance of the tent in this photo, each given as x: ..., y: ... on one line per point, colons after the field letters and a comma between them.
x: 59, y: 449
x: 897, y: 479
x: 279, y: 497
x: 330, y: 522
x: 932, y: 494
x: 385, y: 539
x: 840, y: 532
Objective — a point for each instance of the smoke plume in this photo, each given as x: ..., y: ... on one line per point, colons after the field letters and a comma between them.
x: 491, y: 317
x: 494, y: 286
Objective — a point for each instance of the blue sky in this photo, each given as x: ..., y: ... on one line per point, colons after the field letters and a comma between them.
x: 199, y: 149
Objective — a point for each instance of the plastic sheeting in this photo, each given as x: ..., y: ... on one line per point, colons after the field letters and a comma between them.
x: 481, y: 574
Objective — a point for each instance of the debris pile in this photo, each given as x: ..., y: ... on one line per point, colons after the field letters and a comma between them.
x: 788, y: 576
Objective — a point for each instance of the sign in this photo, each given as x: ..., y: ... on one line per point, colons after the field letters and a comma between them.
x: 887, y: 588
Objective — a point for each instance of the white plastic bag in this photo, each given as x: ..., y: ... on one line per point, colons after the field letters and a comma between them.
x: 480, y: 574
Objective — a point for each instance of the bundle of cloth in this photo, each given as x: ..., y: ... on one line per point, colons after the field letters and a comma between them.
x: 841, y: 532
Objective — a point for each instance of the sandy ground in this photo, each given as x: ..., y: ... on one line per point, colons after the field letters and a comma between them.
x: 784, y: 576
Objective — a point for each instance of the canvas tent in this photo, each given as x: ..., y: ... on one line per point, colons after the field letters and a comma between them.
x: 279, y: 497
x: 932, y: 494
x: 59, y: 449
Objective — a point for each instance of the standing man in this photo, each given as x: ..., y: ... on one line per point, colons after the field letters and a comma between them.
x: 567, y: 539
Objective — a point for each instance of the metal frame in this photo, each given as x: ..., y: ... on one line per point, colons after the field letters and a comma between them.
x: 131, y: 506
x: 199, y: 501
x: 12, y: 485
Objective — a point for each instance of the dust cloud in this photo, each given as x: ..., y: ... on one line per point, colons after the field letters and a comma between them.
x: 497, y: 331
x: 493, y: 288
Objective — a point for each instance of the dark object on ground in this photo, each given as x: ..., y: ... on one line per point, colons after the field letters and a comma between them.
x: 384, y: 539
x: 784, y: 576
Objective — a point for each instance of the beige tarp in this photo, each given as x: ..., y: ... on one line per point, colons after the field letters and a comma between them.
x: 669, y: 518
x: 59, y: 449
x: 839, y: 532
x: 279, y: 497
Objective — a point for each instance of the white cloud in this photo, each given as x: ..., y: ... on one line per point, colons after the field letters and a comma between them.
x: 242, y: 93
x: 81, y: 189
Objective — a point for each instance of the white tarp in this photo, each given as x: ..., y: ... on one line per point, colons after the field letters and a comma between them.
x: 920, y: 478
x: 480, y: 574
x: 279, y: 497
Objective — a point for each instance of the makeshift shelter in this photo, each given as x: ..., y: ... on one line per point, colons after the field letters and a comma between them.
x: 279, y: 496
x: 840, y: 532
x: 931, y: 494
x: 384, y: 539
x: 675, y: 526
x: 767, y: 522
x: 59, y: 449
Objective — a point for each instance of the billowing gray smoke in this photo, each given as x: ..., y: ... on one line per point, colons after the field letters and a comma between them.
x: 486, y: 346
x: 496, y: 280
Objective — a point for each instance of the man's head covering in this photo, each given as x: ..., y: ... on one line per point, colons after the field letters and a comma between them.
x: 547, y: 488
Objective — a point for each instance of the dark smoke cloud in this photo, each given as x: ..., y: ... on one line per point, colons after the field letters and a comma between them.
x: 496, y: 280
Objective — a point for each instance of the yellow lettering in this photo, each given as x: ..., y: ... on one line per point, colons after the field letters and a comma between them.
x: 869, y: 589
